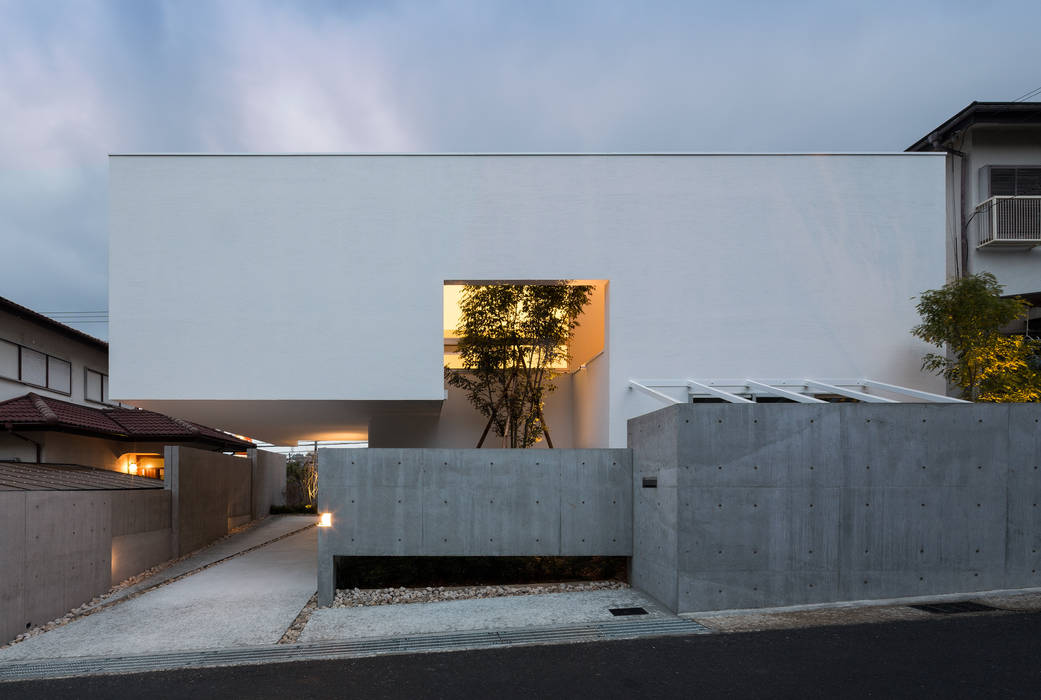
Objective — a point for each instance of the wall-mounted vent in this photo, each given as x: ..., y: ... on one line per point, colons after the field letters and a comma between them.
x: 650, y: 482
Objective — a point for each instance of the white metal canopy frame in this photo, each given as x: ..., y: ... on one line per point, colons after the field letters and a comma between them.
x: 797, y: 390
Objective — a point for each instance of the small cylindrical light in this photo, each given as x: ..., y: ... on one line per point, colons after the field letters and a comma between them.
x: 325, y: 520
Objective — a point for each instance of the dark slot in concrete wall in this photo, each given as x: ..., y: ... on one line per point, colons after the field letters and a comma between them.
x: 456, y: 502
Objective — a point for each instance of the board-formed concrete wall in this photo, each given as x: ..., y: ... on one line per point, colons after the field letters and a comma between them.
x: 212, y: 494
x: 59, y: 549
x: 454, y: 502
x: 269, y: 481
x: 777, y: 504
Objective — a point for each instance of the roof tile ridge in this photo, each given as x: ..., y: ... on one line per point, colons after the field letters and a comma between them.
x: 46, y: 411
x: 184, y: 424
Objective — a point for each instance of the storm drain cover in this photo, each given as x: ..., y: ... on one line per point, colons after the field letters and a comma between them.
x: 953, y: 608
x: 617, y: 612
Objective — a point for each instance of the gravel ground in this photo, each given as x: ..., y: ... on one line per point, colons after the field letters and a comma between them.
x: 359, y: 597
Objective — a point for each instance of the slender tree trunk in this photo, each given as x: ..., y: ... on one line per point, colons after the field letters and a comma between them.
x: 545, y: 429
x: 487, y: 427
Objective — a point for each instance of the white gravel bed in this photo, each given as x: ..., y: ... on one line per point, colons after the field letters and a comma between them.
x: 360, y: 597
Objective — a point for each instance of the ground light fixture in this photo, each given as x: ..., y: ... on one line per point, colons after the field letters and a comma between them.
x: 325, y: 520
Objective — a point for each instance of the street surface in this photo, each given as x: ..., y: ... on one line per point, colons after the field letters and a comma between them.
x: 990, y: 655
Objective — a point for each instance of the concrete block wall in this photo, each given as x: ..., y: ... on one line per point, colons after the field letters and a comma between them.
x: 212, y: 494
x: 62, y: 548
x: 780, y: 504
x: 458, y: 502
x: 269, y: 481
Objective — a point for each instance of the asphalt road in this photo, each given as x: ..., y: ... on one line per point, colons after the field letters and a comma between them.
x: 971, y: 656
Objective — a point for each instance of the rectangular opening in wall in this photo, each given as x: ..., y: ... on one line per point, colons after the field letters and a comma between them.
x: 514, y: 353
x: 650, y: 482
x: 421, y: 572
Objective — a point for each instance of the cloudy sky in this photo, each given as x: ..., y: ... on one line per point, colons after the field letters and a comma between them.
x: 82, y: 79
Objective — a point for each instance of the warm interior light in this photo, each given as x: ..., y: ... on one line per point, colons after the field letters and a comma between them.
x: 132, y: 468
x: 325, y: 520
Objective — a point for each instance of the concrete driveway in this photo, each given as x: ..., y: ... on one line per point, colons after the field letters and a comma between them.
x: 247, y: 600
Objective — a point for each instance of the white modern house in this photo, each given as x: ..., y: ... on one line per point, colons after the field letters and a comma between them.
x: 290, y: 297
x: 994, y: 194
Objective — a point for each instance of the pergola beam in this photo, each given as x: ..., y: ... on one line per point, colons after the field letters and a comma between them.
x: 651, y: 392
x: 701, y: 388
x: 783, y: 393
x: 849, y: 393
x: 924, y: 395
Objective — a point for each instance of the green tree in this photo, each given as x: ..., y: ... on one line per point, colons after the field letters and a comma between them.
x: 967, y: 316
x: 511, y: 336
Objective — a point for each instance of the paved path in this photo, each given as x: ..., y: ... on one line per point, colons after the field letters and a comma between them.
x: 973, y: 656
x: 266, y: 530
x: 248, y: 600
x: 327, y: 624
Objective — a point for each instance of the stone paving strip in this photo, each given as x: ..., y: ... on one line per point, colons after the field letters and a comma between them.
x: 240, y: 541
x: 356, y: 597
x: 858, y: 613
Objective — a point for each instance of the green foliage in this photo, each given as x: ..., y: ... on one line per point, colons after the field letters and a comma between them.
x: 510, y: 337
x: 301, y: 480
x: 967, y: 316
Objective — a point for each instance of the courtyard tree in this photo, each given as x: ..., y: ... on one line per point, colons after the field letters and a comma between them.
x: 967, y: 317
x: 513, y: 338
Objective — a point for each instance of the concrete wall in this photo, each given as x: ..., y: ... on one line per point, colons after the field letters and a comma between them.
x: 826, y: 250
x: 62, y: 548
x: 212, y: 493
x: 398, y: 502
x: 269, y: 481
x: 779, y: 504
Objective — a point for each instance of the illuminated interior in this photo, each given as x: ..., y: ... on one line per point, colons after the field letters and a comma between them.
x: 587, y: 343
x: 149, y: 464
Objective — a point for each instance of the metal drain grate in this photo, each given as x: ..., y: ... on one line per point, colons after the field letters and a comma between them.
x: 620, y: 612
x: 953, y: 608
x: 281, y: 653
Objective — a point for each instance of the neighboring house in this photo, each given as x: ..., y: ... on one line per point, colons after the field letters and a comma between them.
x: 705, y: 266
x: 41, y: 355
x: 994, y: 195
x: 55, y: 408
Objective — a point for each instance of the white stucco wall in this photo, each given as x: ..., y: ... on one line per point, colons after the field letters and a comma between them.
x: 307, y: 278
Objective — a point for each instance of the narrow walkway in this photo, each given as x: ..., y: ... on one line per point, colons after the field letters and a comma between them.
x: 247, y: 600
x: 271, y: 528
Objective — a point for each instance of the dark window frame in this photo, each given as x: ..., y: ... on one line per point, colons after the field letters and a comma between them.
x: 46, y: 369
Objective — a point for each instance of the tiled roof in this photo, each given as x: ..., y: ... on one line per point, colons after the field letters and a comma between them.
x: 25, y: 476
x: 42, y: 412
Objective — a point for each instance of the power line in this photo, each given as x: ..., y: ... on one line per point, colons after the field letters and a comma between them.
x: 1028, y: 95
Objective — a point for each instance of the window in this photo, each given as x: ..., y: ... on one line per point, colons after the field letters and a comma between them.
x: 1014, y: 182
x: 35, y: 368
x: 8, y: 360
x: 95, y: 387
x: 59, y: 375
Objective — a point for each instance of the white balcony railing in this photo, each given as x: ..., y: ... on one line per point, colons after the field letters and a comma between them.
x: 1009, y: 221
